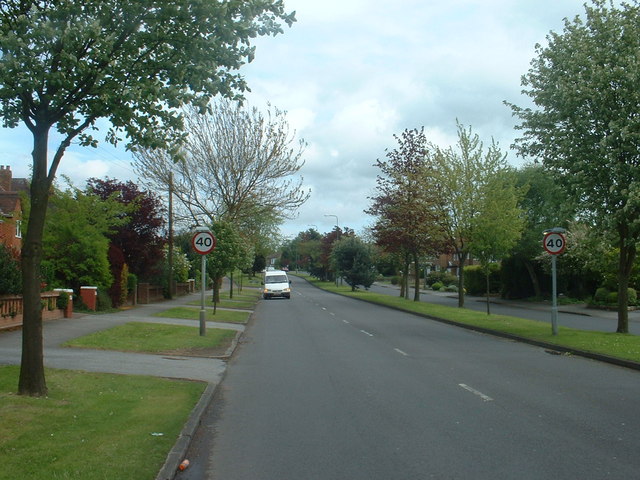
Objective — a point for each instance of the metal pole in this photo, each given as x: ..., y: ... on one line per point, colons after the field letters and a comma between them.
x: 554, y: 300
x: 203, y: 323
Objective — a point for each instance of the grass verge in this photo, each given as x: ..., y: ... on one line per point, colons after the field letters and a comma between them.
x: 92, y: 425
x: 158, y: 339
x: 187, y: 313
x: 618, y: 345
x: 230, y: 303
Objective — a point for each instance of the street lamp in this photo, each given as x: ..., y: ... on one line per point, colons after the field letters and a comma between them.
x: 337, y: 223
x: 338, y: 234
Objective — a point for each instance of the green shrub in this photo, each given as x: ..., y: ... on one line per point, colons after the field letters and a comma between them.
x: 612, y: 297
x: 601, y: 295
x: 443, y: 277
x: 103, y: 301
x: 62, y: 301
x: 633, y: 296
x: 475, y: 279
x: 437, y: 286
x: 450, y: 288
x: 395, y: 280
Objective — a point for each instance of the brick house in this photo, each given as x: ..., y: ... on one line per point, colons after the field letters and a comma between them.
x: 11, y: 191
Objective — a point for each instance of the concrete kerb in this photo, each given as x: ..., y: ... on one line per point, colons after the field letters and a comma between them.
x: 179, y: 451
x: 549, y: 346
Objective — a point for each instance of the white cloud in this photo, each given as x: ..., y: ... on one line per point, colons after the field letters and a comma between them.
x: 351, y: 74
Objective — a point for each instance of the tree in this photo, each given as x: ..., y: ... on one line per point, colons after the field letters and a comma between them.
x: 140, y: 238
x: 354, y: 260
x: 10, y: 279
x: 463, y: 175
x: 75, y: 244
x: 545, y: 205
x: 585, y: 126
x: 406, y: 204
x: 230, y: 253
x: 237, y: 164
x: 65, y: 64
x: 496, y: 231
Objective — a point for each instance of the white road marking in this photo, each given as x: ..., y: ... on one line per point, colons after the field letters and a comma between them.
x: 367, y: 333
x: 324, y: 308
x: 346, y: 321
x: 484, y: 397
x: 401, y: 352
x: 332, y: 314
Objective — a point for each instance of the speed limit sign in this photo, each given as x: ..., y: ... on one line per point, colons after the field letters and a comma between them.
x: 203, y: 242
x: 554, y: 243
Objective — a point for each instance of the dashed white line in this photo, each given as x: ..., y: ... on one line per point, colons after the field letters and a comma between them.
x: 346, y: 321
x: 484, y: 397
x: 367, y: 333
x: 401, y: 352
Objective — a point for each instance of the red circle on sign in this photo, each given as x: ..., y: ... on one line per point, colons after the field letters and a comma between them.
x: 554, y: 243
x: 203, y: 242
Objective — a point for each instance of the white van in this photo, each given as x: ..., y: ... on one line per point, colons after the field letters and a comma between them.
x: 276, y: 284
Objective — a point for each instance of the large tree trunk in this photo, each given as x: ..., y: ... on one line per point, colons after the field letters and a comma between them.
x: 32, y: 379
x: 627, y: 258
x: 534, y: 278
x: 462, y: 256
x: 416, y: 283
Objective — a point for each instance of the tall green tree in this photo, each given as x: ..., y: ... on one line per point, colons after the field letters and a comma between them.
x: 545, y: 205
x: 584, y: 125
x: 464, y: 175
x: 66, y: 64
x: 75, y: 243
x: 230, y: 253
x: 355, y: 262
x: 500, y: 225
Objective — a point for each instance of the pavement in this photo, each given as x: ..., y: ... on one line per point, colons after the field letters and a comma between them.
x: 56, y: 332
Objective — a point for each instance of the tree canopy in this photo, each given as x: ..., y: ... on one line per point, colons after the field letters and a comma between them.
x: 584, y: 125
x: 66, y: 64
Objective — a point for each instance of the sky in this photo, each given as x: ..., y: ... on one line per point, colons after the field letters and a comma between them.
x: 351, y: 74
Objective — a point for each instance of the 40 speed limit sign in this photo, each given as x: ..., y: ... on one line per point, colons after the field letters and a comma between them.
x: 554, y: 243
x: 203, y: 242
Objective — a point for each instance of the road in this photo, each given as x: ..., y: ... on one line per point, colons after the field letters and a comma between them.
x: 326, y: 387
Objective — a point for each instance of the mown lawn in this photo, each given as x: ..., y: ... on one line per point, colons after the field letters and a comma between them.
x: 91, y: 425
x: 188, y: 313
x: 157, y: 338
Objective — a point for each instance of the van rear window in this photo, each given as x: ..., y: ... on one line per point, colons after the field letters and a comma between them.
x: 276, y: 279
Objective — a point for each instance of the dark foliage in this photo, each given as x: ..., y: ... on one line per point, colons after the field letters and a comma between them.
x: 141, y: 239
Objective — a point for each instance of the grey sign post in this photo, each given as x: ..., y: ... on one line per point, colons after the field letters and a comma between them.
x: 203, y: 242
x: 554, y: 243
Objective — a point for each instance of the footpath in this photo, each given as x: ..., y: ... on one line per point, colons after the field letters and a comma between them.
x: 56, y: 332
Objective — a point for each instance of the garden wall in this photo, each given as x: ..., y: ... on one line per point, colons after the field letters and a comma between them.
x: 11, y: 309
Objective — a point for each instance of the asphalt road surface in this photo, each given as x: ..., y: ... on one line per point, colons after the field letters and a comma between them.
x: 326, y: 387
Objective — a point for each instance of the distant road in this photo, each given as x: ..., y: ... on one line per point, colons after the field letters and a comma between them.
x: 329, y: 388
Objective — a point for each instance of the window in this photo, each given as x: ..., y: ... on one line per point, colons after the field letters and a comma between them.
x: 18, y: 228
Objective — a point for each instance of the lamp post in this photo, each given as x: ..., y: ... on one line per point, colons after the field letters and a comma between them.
x: 338, y: 235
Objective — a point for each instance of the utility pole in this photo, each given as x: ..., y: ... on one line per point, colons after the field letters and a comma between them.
x: 170, y: 256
